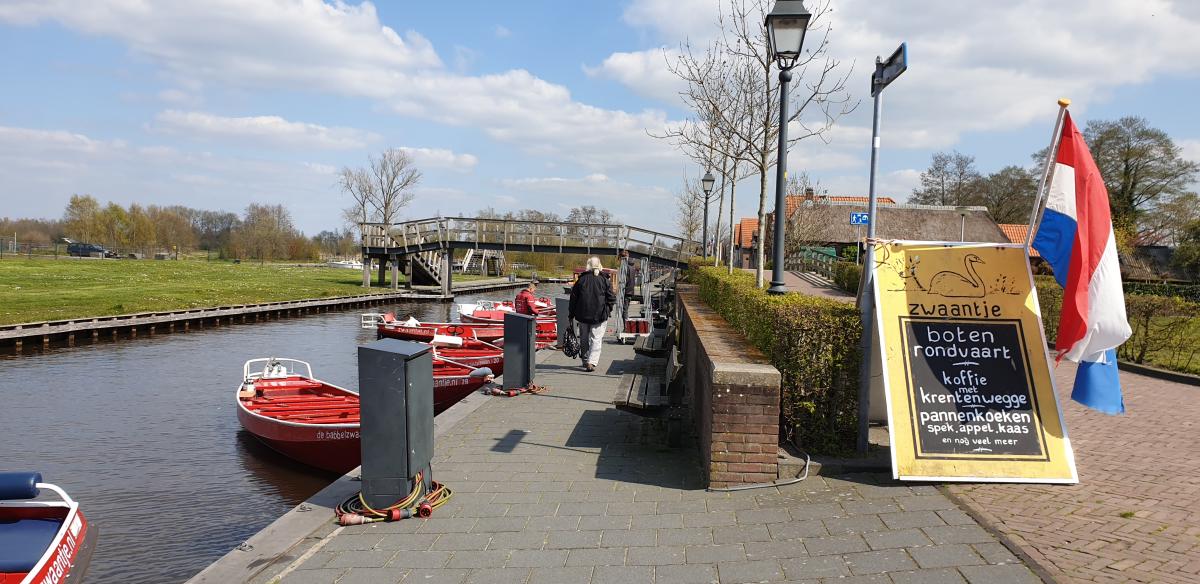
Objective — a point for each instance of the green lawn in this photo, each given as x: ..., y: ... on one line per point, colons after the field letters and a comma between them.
x: 36, y: 290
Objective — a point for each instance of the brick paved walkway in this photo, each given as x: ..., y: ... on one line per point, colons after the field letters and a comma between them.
x: 1145, y: 463
x: 563, y: 488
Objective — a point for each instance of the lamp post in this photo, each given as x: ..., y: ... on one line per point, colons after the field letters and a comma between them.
x: 706, y: 183
x: 962, y: 227
x: 786, y: 25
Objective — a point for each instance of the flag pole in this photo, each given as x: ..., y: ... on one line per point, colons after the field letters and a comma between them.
x: 1047, y: 172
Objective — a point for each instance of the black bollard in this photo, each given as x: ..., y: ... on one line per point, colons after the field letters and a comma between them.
x: 396, y: 418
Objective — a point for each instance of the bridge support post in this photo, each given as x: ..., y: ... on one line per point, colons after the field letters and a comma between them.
x: 411, y: 270
x: 366, y: 261
x: 395, y: 262
x: 447, y: 288
x: 382, y: 271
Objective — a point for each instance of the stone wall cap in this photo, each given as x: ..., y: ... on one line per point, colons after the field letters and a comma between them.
x: 742, y: 373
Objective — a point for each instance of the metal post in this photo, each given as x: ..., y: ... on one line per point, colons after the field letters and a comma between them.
x: 777, y: 285
x: 1047, y: 171
x: 705, y: 246
x: 867, y: 294
x: 962, y: 229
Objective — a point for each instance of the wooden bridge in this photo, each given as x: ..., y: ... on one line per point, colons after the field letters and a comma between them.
x: 423, y: 248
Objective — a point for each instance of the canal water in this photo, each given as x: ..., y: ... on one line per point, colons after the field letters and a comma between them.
x: 144, y: 434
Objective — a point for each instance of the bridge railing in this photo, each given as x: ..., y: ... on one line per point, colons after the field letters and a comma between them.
x: 517, y: 235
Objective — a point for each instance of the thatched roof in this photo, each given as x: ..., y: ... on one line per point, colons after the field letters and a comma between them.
x: 830, y: 223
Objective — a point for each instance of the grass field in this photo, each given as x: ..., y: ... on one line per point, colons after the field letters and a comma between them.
x: 36, y: 290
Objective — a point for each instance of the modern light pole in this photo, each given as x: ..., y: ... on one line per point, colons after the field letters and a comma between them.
x: 706, y: 183
x: 786, y: 25
x: 962, y: 227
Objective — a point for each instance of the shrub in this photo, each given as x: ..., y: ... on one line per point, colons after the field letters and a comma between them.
x: 813, y: 342
x: 846, y: 276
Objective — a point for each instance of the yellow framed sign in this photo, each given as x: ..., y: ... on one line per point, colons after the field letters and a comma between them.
x: 965, y: 367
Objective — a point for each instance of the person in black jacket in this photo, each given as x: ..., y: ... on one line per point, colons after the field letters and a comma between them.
x: 592, y: 300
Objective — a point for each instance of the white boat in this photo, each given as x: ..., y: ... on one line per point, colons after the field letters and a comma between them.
x: 345, y: 264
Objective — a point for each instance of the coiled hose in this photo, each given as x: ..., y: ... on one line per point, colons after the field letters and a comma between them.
x: 355, y: 510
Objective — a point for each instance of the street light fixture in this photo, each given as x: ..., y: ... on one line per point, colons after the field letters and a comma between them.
x: 962, y: 229
x: 706, y: 183
x: 786, y: 25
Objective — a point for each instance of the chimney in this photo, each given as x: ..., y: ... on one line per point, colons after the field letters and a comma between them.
x: 808, y: 195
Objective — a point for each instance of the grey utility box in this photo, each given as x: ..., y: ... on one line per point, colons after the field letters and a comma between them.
x: 520, y: 350
x: 562, y: 307
x: 395, y: 384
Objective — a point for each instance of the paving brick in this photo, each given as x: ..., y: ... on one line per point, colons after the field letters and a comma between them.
x: 896, y: 538
x: 689, y: 506
x: 995, y: 553
x: 603, y: 522
x: 645, y: 508
x: 907, y: 519
x: 797, y: 529
x: 322, y: 576
x: 655, y: 556
x: 709, y: 519
x: 448, y: 525
x: 945, y: 556
x: 536, y: 558
x: 436, y: 559
x: 740, y: 534
x: 1005, y: 574
x: 364, y: 559
x: 708, y: 554
x: 498, y: 576
x: 686, y: 574
x: 437, y: 576
x: 765, y: 550
x: 844, y: 544
x: 814, y: 567
x: 521, y: 540
x: 623, y: 575
x: 462, y: 541
x: 373, y: 576
x: 958, y: 534
x: 750, y: 571
x: 879, y: 562
x: 499, y: 524
x: 857, y: 524
x: 596, y: 557
x: 572, y: 539
x: 815, y: 511
x: 761, y: 516
x: 629, y: 538
x: 685, y: 536
x: 568, y: 523
x: 925, y: 503
x: 560, y: 575
x: 668, y: 521
x: 353, y: 542
x: 938, y: 576
x: 478, y: 559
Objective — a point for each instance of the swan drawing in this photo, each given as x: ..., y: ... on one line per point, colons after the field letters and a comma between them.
x: 955, y: 285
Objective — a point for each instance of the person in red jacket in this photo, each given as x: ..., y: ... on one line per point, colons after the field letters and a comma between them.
x: 525, y: 302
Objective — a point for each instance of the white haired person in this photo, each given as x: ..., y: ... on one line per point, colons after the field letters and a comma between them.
x: 592, y: 300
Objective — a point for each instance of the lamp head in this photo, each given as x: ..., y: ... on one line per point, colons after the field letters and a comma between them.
x: 786, y: 24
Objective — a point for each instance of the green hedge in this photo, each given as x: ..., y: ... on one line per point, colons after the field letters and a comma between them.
x: 1166, y: 329
x: 846, y: 276
x: 814, y: 344
x: 1189, y: 292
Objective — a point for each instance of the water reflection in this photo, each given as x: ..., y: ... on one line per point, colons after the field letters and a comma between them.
x: 145, y: 435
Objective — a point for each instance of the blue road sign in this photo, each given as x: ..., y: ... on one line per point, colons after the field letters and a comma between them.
x: 859, y: 219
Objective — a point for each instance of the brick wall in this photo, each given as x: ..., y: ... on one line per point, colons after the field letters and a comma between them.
x: 734, y: 395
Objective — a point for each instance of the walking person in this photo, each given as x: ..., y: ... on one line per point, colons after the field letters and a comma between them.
x: 592, y: 300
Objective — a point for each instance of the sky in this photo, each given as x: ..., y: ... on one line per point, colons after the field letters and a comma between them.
x: 535, y: 104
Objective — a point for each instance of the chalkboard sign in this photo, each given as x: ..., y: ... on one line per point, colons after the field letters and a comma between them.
x: 965, y: 365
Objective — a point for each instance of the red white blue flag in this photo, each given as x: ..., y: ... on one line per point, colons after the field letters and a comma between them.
x: 1076, y: 238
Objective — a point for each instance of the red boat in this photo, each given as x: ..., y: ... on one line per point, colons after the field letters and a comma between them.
x: 315, y: 422
x: 425, y: 332
x: 41, y: 542
x: 474, y: 358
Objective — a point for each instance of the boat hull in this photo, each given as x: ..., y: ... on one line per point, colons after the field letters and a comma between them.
x: 67, y: 555
x: 334, y: 448
x: 424, y: 334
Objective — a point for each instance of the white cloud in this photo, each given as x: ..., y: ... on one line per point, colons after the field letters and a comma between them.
x: 644, y: 72
x: 502, y: 32
x: 272, y: 130
x: 675, y: 19
x: 441, y: 158
x: 596, y: 188
x: 343, y: 49
x: 1190, y: 149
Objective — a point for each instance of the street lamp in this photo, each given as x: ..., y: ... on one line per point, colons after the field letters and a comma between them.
x: 962, y: 228
x: 786, y: 25
x: 706, y: 183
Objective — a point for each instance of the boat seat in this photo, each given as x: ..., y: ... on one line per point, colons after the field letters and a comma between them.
x: 24, y: 542
x: 286, y: 383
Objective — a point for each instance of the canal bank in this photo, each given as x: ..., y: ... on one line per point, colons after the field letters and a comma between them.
x: 17, y: 338
x: 145, y: 435
x: 563, y: 487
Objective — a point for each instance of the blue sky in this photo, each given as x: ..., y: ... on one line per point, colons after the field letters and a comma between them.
x: 530, y: 104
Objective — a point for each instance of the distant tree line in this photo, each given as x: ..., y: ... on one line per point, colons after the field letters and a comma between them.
x: 262, y: 232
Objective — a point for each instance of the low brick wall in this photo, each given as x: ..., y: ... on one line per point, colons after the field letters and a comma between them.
x: 734, y: 394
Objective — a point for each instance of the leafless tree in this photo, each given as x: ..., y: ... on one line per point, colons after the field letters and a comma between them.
x: 382, y: 189
x: 689, y: 209
x: 733, y: 84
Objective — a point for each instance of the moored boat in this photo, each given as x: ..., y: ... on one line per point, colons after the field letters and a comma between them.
x: 299, y: 416
x: 425, y: 332
x: 317, y: 423
x: 41, y: 541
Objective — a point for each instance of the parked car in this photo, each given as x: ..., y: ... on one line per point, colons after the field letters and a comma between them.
x: 87, y: 250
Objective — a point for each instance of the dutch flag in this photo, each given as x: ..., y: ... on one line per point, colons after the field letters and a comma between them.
x: 1076, y: 238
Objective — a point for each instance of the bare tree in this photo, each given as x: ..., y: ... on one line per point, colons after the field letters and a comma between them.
x: 951, y: 179
x: 689, y: 209
x: 736, y: 73
x: 382, y: 189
